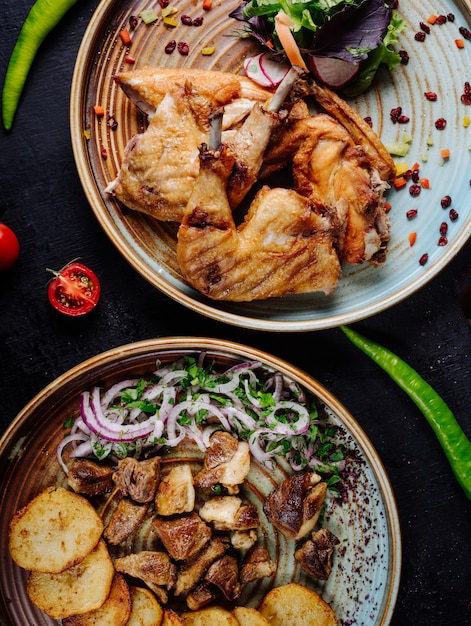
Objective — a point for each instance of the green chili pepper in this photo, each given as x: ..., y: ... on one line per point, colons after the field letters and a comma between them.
x: 453, y: 440
x: 43, y: 16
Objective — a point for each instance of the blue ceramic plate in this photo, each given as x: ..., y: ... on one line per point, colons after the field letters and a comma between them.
x: 436, y: 65
x: 363, y: 586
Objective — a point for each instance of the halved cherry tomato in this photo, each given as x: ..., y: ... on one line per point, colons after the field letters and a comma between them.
x: 74, y: 290
x: 9, y: 248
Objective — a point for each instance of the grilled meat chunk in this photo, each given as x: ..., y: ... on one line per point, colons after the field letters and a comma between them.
x: 124, y: 520
x: 203, y: 594
x: 138, y: 479
x: 226, y: 461
x: 193, y: 570
x: 224, y: 573
x: 316, y: 554
x: 90, y: 478
x: 257, y: 564
x: 294, y: 507
x: 176, y: 493
x: 155, y: 569
x: 183, y: 536
x: 229, y: 513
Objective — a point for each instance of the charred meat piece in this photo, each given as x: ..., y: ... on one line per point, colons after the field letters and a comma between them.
x: 124, y: 520
x: 243, y: 539
x: 294, y: 507
x: 155, y: 569
x: 183, y: 536
x: 138, y: 479
x: 89, y: 478
x: 176, y: 493
x: 224, y: 573
x: 203, y: 594
x: 226, y: 461
x: 316, y: 554
x: 193, y: 570
x: 257, y: 564
x: 229, y: 513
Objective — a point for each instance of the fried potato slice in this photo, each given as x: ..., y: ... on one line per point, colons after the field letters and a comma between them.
x: 145, y: 609
x: 77, y: 590
x: 211, y: 616
x: 249, y: 617
x: 171, y: 619
x: 295, y: 604
x: 115, y: 611
x: 54, y: 531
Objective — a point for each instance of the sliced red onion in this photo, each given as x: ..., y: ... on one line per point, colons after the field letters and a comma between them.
x: 64, y: 443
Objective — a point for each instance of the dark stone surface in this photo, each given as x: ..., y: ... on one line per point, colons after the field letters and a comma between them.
x: 42, y: 200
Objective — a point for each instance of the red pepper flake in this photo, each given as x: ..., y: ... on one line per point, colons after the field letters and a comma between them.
x: 400, y: 182
x: 129, y: 60
x: 442, y: 241
x: 170, y: 47
x: 432, y: 19
x: 99, y: 110
x: 395, y: 114
x: 453, y: 215
x: 443, y: 228
x: 424, y: 183
x: 459, y: 43
x: 440, y: 123
x: 414, y: 190
x: 412, y: 238
x: 445, y: 202
x: 423, y: 259
x: 207, y: 4
x: 104, y: 153
x: 430, y: 95
x: 387, y: 207
x: 125, y: 37
x: 411, y: 213
x: 183, y: 48
x: 465, y: 32
x: 420, y: 36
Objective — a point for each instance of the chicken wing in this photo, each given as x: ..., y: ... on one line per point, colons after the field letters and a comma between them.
x: 283, y: 246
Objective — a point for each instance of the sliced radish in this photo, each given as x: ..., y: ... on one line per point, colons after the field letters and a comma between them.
x: 334, y: 73
x: 265, y: 71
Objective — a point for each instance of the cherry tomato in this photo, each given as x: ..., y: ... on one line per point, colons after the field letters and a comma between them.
x: 9, y: 248
x: 74, y: 290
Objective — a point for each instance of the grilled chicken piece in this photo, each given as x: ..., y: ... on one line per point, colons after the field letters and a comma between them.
x: 176, y: 493
x: 227, y: 461
x: 283, y: 246
x: 89, y: 478
x: 243, y: 539
x: 161, y: 165
x: 257, y: 564
x: 183, y: 536
x: 155, y: 569
x: 193, y: 570
x: 229, y: 513
x: 224, y: 573
x: 124, y: 520
x: 138, y: 479
x: 316, y: 554
x: 203, y: 594
x: 294, y: 507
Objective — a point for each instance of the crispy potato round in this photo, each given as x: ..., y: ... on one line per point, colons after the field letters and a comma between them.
x: 294, y: 604
x: 145, y: 609
x: 115, y: 611
x: 249, y: 617
x: 55, y: 531
x: 79, y: 589
x: 211, y: 616
x: 172, y: 619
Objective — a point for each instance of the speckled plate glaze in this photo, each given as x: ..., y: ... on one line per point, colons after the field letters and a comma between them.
x: 363, y: 586
x: 436, y: 64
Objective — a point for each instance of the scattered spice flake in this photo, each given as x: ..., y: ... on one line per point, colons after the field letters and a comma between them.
x: 412, y: 238
x: 423, y: 259
x: 459, y: 43
x: 387, y: 207
x: 99, y: 110
x: 125, y: 37
x: 86, y: 134
x: 400, y: 182
x: 424, y: 183
x: 129, y: 60
x: 440, y: 123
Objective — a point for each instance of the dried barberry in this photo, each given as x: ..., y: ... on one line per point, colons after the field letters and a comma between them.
x: 442, y: 241
x: 403, y: 119
x: 466, y: 95
x: 198, y: 21
x: 187, y: 20
x: 170, y: 47
x: 411, y: 213
x: 112, y: 123
x: 164, y: 3
x: 423, y: 259
x: 404, y: 57
x: 440, y: 123
x: 415, y: 190
x: 441, y: 19
x: 183, y: 48
x: 420, y: 36
x: 104, y: 153
x: 132, y: 22
x: 424, y: 27
x: 443, y: 228
x: 453, y: 215
x: 465, y: 32
x: 430, y: 95
x: 445, y: 202
x: 450, y: 17
x: 395, y: 114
